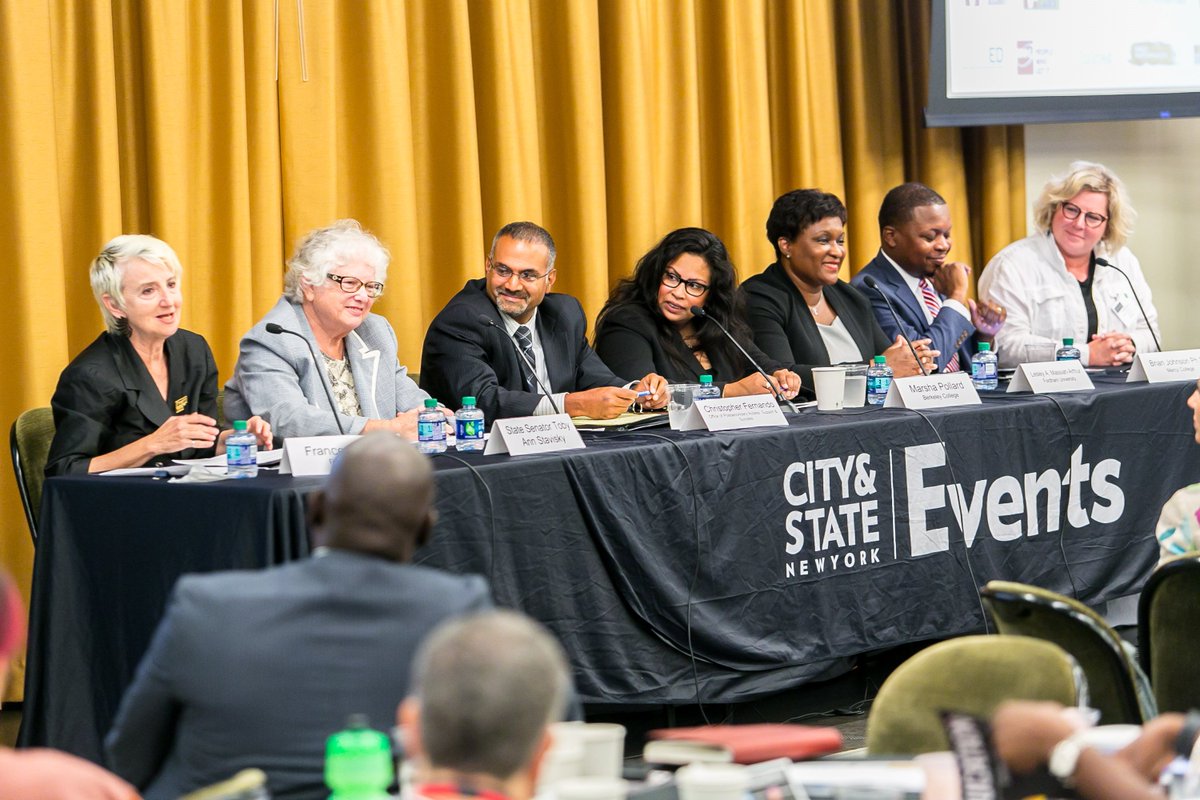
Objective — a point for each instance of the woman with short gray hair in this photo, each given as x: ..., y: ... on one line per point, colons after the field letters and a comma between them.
x: 321, y: 341
x: 145, y: 392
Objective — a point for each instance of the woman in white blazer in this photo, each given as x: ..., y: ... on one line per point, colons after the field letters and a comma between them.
x: 1065, y: 280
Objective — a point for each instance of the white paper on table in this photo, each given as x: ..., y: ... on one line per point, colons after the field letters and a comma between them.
x: 266, y: 458
x: 148, y: 472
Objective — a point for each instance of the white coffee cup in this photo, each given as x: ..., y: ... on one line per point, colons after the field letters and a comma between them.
x: 700, y: 781
x: 603, y: 745
x: 830, y: 386
x: 563, y: 760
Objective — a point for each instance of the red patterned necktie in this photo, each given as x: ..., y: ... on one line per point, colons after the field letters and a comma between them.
x: 934, y: 304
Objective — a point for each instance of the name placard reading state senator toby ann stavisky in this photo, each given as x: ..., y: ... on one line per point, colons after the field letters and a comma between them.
x: 520, y: 436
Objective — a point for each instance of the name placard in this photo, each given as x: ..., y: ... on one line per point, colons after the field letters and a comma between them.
x: 312, y: 455
x: 728, y: 413
x: 520, y: 436
x: 1173, y: 365
x: 932, y: 391
x: 1046, y: 377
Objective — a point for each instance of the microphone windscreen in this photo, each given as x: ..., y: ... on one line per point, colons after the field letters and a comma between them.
x: 274, y: 328
x: 698, y: 311
x: 484, y: 319
x: 870, y: 282
x: 1102, y: 262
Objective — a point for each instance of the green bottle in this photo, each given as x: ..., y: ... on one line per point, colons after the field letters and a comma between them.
x: 358, y: 762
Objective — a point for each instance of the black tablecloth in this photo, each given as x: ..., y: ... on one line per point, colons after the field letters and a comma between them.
x: 671, y: 565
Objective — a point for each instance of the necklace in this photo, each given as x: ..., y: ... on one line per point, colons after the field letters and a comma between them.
x: 815, y: 308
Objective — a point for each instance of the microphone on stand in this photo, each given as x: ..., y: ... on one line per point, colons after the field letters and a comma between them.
x: 698, y: 311
x: 871, y: 284
x: 279, y: 329
x: 1104, y: 263
x: 484, y: 319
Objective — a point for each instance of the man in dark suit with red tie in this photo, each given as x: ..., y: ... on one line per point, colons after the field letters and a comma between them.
x: 928, y: 292
x: 519, y: 349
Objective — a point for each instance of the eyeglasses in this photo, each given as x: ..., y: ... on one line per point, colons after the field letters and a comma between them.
x: 694, y: 288
x: 351, y: 285
x: 1091, y: 218
x: 526, y: 276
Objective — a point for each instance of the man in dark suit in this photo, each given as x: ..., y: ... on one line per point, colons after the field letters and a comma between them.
x: 501, y: 330
x: 257, y: 669
x: 928, y: 292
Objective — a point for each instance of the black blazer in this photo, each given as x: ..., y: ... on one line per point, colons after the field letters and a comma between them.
x: 106, y: 399
x: 627, y: 341
x: 785, y: 330
x: 464, y: 357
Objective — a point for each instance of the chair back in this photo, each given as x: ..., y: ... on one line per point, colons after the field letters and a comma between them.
x: 29, y: 444
x: 1168, y: 621
x: 1025, y: 610
x: 971, y: 675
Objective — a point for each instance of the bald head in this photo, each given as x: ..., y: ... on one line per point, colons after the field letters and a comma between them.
x: 378, y: 500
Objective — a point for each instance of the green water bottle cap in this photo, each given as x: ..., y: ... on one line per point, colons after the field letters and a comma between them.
x: 1068, y: 342
x: 239, y: 425
x: 984, y: 347
x: 880, y: 360
x: 430, y: 402
x: 705, y: 380
x: 468, y: 401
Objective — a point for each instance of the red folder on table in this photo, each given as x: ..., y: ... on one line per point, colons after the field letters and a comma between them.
x: 743, y: 744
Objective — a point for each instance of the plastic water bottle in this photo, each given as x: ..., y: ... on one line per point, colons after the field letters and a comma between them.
x: 983, y: 369
x: 468, y: 426
x: 431, y: 428
x: 241, y: 452
x: 1068, y: 352
x: 879, y: 380
x: 358, y: 762
x: 707, y: 390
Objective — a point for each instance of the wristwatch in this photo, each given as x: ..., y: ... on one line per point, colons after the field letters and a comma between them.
x: 1064, y: 758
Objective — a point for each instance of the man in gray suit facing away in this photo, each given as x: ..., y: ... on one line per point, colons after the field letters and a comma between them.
x: 257, y: 669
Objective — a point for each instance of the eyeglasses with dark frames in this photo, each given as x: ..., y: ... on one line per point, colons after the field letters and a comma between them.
x: 351, y: 285
x: 525, y: 276
x: 671, y: 279
x: 1091, y: 218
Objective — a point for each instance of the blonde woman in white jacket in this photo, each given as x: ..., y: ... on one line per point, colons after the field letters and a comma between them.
x: 1056, y: 284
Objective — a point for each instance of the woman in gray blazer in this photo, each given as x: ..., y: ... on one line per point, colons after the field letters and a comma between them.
x: 321, y: 340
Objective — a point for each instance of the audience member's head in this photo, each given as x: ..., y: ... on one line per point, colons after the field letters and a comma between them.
x: 485, y: 689
x: 378, y: 499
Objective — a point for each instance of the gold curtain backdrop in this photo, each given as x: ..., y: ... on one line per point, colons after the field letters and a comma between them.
x: 434, y: 122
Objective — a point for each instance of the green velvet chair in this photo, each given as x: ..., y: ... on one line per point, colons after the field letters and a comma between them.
x: 1169, y: 632
x: 1112, y: 674
x: 971, y: 674
x: 29, y: 444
